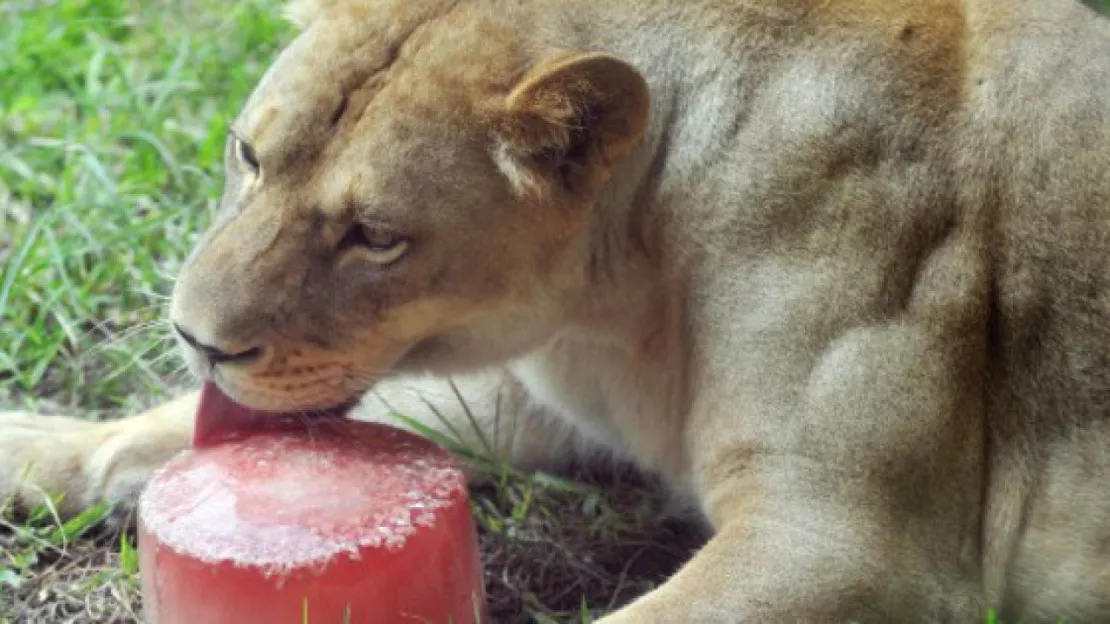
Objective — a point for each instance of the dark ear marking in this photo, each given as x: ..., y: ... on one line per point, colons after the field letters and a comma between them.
x: 567, y: 161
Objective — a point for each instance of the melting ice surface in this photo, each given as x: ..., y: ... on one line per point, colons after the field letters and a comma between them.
x: 293, y: 499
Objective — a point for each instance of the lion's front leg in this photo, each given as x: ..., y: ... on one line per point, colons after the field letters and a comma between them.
x: 872, y: 518
x: 814, y: 557
x: 840, y: 458
x: 89, y: 462
x: 755, y: 571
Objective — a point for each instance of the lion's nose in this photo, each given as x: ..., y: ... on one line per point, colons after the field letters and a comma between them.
x: 215, y: 354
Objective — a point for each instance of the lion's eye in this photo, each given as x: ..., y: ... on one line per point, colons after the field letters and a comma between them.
x: 379, y: 244
x: 245, y: 153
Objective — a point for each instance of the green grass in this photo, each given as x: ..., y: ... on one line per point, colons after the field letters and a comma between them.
x: 52, y: 568
x: 113, y: 116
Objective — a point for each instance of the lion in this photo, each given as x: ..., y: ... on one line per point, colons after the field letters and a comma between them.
x: 838, y: 272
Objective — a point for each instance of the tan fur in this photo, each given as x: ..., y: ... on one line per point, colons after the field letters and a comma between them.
x: 836, y: 270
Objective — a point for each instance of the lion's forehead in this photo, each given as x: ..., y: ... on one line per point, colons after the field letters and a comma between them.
x: 398, y: 68
x: 293, y: 105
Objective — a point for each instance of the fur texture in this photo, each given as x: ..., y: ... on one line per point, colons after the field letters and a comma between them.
x: 838, y: 271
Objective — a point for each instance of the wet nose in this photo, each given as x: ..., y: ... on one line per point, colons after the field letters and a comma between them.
x: 217, y: 355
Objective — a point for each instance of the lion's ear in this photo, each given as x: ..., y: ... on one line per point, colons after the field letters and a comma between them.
x: 571, y: 120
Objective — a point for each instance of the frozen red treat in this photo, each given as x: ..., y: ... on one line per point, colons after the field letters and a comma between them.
x: 274, y: 519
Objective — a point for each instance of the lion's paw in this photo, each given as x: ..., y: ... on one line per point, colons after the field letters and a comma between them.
x: 47, y: 455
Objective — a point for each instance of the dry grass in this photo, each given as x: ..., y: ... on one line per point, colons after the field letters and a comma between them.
x: 581, y: 551
x: 83, y: 582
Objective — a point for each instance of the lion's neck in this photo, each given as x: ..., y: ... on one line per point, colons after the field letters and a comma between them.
x: 642, y: 239
x: 622, y: 360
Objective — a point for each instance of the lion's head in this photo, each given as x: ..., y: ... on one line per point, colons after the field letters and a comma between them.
x: 408, y: 188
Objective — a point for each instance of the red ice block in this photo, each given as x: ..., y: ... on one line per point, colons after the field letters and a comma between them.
x: 309, y: 522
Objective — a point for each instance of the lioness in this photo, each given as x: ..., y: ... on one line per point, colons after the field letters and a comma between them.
x: 837, y: 270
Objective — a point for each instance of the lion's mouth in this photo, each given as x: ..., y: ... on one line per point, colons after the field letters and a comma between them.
x: 219, y: 417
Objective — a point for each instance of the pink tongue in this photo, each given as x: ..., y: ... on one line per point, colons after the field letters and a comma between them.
x: 218, y: 417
